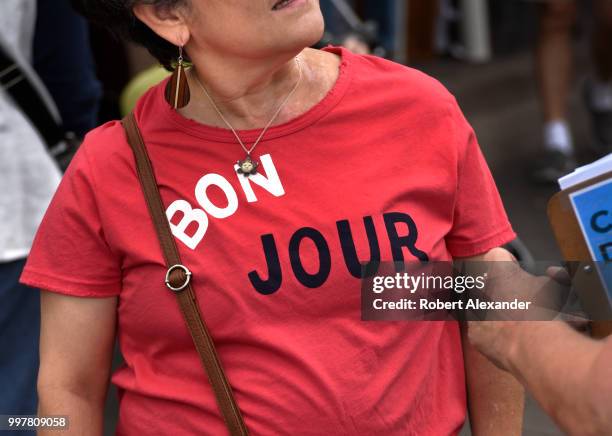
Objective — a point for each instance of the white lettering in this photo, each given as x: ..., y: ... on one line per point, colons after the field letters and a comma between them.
x: 232, y: 199
x: 271, y: 183
x: 190, y: 215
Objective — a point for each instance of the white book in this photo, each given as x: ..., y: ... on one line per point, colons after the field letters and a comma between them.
x: 587, y: 172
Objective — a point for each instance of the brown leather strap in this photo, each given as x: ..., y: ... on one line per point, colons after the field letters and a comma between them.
x: 178, y: 278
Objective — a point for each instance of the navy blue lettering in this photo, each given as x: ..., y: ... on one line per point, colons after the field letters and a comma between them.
x: 398, y: 242
x: 275, y: 274
x: 310, y: 280
x: 348, y: 246
x: 595, y: 225
x: 606, y: 252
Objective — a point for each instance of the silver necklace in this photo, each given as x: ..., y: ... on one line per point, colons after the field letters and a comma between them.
x: 248, y: 166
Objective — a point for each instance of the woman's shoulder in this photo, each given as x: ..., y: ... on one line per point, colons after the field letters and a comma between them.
x: 108, y: 141
x: 104, y: 155
x: 398, y: 81
x: 105, y: 143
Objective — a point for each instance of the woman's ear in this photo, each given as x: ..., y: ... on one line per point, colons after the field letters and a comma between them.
x: 168, y: 23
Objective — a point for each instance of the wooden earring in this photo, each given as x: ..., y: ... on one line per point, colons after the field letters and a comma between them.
x: 177, y: 89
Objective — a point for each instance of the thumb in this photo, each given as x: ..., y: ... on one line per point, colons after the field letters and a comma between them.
x: 559, y: 274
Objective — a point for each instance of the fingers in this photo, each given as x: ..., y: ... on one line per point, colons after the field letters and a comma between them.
x: 559, y: 274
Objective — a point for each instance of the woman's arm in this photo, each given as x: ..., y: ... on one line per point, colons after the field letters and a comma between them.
x: 495, y: 398
x: 76, y: 345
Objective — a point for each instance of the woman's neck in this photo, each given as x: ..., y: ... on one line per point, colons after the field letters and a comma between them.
x: 249, y: 91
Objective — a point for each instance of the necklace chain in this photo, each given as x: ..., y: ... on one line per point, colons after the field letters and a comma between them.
x: 248, y: 151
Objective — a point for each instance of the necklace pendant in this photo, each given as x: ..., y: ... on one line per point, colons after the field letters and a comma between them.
x: 247, y: 166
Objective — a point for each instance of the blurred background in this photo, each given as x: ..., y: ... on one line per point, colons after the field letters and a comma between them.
x: 528, y: 75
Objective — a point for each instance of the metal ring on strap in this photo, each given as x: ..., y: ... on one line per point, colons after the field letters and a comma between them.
x: 187, y: 277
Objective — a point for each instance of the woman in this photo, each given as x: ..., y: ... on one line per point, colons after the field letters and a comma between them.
x: 364, y: 159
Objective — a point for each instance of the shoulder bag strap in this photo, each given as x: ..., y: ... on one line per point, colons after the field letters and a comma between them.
x: 178, y: 279
x: 17, y: 84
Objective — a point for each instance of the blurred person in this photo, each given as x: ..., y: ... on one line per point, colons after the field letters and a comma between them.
x: 30, y: 125
x: 354, y: 152
x: 554, y: 72
x: 28, y: 178
x: 339, y: 29
x: 374, y: 34
x: 383, y: 14
x: 62, y: 58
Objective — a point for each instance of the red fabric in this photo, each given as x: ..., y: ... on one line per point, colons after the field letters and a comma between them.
x: 386, y: 141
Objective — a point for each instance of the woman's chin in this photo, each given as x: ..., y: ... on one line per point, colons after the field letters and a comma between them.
x: 294, y: 39
x: 306, y: 35
x: 307, y: 25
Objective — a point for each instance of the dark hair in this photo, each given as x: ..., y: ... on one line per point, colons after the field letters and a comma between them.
x: 117, y: 16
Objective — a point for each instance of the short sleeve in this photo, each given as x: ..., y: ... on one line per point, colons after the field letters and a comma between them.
x: 480, y: 222
x: 70, y: 254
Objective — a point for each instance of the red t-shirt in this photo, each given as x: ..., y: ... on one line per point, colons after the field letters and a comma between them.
x: 385, y: 166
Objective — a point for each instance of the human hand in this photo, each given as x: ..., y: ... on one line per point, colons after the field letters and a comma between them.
x: 497, y: 334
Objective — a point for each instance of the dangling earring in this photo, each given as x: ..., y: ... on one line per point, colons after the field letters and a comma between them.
x: 177, y: 89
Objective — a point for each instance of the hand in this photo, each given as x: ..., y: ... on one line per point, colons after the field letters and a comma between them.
x: 577, y: 319
x: 542, y: 298
x: 498, y: 337
x: 497, y: 340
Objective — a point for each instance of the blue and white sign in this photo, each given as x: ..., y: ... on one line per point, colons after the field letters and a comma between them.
x: 593, y: 208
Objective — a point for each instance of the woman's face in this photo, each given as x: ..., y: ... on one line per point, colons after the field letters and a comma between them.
x: 254, y: 28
